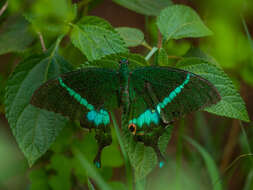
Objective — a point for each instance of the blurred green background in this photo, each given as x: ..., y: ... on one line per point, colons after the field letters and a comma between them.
x: 191, y: 166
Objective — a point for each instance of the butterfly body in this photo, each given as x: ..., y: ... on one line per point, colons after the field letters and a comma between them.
x: 151, y: 98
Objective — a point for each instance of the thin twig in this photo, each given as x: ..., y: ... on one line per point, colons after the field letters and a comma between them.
x: 4, y: 8
x: 146, y: 45
x: 42, y: 42
x: 151, y: 53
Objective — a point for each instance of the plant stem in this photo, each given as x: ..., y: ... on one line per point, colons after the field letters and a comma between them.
x: 247, y: 32
x: 121, y: 144
x: 42, y: 42
x: 154, y: 49
x: 4, y: 8
x: 146, y: 45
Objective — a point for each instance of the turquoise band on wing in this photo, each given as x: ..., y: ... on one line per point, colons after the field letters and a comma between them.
x: 172, y: 95
x: 149, y: 116
x: 146, y: 118
x: 77, y: 96
x: 97, y: 117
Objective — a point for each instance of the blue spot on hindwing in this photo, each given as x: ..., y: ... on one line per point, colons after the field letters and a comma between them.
x: 91, y: 115
x: 98, y: 117
x: 161, y: 164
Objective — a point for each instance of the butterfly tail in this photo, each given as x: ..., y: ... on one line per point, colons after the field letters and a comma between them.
x: 104, y: 138
x: 160, y: 157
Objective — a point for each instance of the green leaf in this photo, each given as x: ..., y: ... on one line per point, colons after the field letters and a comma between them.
x: 210, y: 164
x: 249, y: 181
x: 96, y: 39
x: 97, y: 21
x: 131, y: 36
x: 15, y: 35
x: 231, y: 104
x: 34, y: 129
x: 142, y: 158
x: 179, y: 21
x: 162, y: 58
x: 146, y: 7
x: 108, y: 160
x: 112, y: 61
x: 198, y: 53
x: 165, y: 139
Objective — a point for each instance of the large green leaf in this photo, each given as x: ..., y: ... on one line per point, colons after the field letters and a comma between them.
x: 143, y: 158
x: 95, y: 38
x: 112, y: 61
x: 179, y: 21
x: 132, y: 36
x: 146, y: 7
x: 231, y: 104
x: 34, y: 129
x: 14, y: 35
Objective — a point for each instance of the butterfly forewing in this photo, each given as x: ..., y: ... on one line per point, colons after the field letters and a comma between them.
x: 68, y: 94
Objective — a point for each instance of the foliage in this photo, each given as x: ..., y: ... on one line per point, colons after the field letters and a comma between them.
x: 63, y: 151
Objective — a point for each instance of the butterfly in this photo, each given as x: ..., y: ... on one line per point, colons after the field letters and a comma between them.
x: 151, y: 97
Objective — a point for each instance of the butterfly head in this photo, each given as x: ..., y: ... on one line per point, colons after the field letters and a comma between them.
x: 124, y: 61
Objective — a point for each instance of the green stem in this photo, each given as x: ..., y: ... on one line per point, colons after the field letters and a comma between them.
x: 151, y: 53
x: 146, y: 45
x: 121, y: 144
x: 91, y: 171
